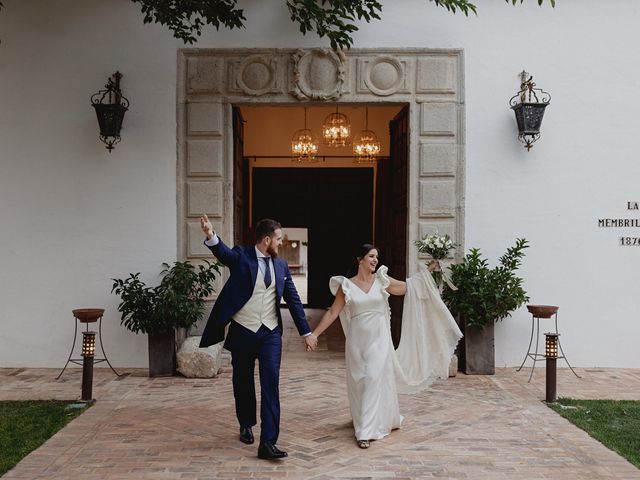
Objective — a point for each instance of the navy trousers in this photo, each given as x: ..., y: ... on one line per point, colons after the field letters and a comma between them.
x: 246, y: 347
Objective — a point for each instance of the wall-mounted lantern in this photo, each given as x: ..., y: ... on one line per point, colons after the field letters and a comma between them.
x: 529, y: 104
x: 110, y: 106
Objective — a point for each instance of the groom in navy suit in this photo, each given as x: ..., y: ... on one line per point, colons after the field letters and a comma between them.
x: 249, y: 303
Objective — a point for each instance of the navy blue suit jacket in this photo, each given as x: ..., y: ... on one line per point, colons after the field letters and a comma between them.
x: 243, y: 265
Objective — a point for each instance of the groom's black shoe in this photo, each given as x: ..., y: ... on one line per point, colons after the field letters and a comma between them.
x: 246, y: 435
x: 268, y: 451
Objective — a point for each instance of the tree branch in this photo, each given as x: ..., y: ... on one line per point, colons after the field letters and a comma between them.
x: 334, y: 19
x: 185, y: 18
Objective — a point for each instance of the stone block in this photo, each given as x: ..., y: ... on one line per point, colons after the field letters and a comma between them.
x: 204, y: 157
x: 204, y: 197
x: 204, y: 118
x: 437, y: 198
x: 438, y: 119
x: 436, y: 74
x: 204, y: 74
x: 196, y: 362
x: 438, y: 159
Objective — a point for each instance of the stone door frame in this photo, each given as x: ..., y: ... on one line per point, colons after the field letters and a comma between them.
x: 211, y: 81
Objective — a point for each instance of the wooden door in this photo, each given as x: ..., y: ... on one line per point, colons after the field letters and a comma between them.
x: 240, y: 183
x: 391, y: 210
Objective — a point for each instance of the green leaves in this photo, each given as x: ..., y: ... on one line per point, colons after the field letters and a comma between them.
x: 486, y: 295
x: 334, y: 19
x: 186, y: 18
x: 453, y: 5
x: 540, y: 2
x: 178, y: 302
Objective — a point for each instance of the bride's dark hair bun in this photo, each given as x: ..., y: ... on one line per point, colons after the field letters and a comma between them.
x: 361, y: 252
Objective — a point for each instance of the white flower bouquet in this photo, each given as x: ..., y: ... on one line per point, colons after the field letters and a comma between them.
x: 438, y: 246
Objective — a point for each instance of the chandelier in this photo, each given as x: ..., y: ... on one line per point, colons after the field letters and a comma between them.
x: 336, y: 130
x: 366, y: 146
x: 304, y: 145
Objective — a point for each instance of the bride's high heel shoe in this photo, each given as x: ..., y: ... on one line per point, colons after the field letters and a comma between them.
x: 364, y: 443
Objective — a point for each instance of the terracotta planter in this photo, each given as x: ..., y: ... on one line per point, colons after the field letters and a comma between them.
x: 477, y: 350
x: 162, y: 354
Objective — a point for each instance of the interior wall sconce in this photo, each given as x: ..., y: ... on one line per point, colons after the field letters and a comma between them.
x: 529, y: 104
x: 110, y: 106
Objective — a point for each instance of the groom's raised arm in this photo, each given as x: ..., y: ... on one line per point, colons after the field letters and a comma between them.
x: 228, y: 257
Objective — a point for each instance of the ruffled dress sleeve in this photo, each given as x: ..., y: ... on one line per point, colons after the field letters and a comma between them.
x: 339, y: 281
x: 383, y: 278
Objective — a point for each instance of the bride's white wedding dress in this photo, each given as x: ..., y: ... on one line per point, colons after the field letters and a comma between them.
x: 375, y: 371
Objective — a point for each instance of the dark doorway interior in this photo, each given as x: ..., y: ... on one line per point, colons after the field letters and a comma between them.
x: 334, y: 204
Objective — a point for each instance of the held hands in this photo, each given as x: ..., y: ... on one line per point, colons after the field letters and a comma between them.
x: 206, y: 226
x: 434, y: 265
x: 310, y: 342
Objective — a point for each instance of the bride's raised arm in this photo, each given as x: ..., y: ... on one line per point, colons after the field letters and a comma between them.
x: 398, y: 287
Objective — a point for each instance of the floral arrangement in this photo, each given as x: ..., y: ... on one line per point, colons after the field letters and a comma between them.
x: 438, y: 246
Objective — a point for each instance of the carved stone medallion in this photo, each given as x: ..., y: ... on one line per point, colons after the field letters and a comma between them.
x: 318, y: 74
x: 384, y: 75
x: 257, y: 75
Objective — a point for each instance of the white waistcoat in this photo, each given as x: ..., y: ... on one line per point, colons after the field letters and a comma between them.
x: 261, y: 307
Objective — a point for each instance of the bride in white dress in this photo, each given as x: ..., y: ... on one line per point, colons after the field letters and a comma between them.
x: 375, y: 370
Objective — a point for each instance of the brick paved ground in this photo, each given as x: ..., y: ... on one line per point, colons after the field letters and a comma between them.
x: 467, y: 427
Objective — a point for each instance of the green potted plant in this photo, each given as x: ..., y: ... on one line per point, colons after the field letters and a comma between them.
x: 483, y: 297
x: 178, y: 302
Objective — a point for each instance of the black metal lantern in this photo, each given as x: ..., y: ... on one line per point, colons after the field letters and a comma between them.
x: 110, y: 106
x: 551, y: 353
x: 88, y: 354
x: 529, y: 105
x: 551, y: 345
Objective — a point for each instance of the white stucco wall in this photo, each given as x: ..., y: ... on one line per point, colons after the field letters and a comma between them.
x: 72, y: 215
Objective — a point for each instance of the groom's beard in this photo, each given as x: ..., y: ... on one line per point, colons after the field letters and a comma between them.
x: 272, y: 253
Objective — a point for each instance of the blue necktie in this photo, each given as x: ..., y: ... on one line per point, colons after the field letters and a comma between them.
x: 267, y: 272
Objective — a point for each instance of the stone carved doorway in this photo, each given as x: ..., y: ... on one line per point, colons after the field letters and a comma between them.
x: 211, y: 81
